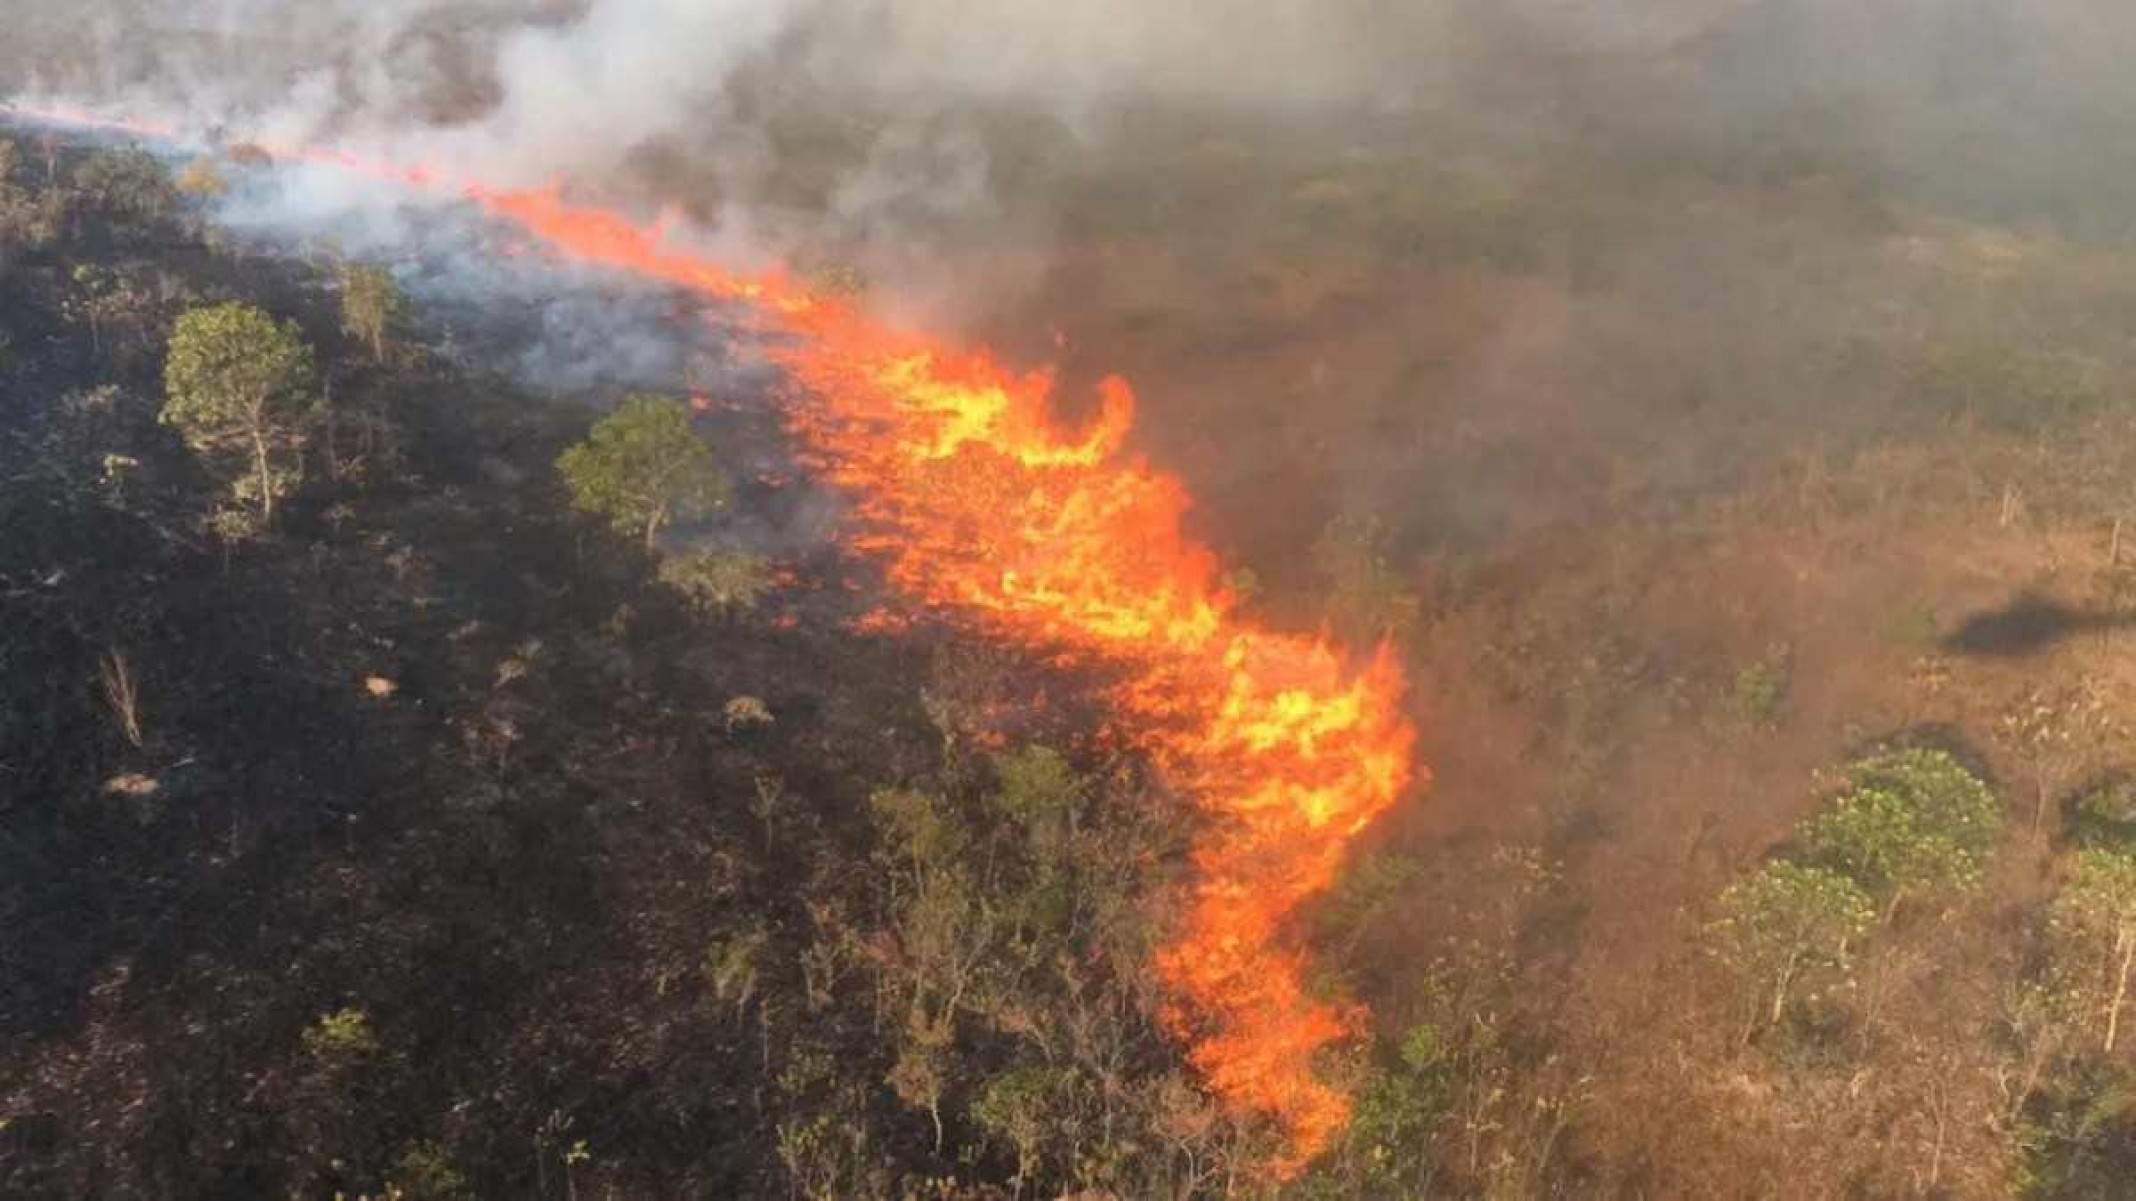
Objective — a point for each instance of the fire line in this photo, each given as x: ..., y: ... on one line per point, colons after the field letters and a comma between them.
x: 975, y: 500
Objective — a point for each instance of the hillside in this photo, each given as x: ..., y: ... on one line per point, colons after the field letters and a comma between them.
x: 1754, y: 541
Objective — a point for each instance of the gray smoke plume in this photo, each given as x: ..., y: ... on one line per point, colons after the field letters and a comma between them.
x: 2013, y: 107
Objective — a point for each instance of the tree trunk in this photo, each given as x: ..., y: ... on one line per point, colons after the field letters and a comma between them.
x: 266, y: 480
x: 333, y: 428
x: 1935, y: 1159
x: 652, y: 525
x: 2127, y: 948
x: 1787, y: 979
x: 1891, y: 908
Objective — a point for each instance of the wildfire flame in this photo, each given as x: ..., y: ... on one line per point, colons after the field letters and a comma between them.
x: 973, y: 498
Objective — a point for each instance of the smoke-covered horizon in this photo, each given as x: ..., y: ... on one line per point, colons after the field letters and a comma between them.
x: 2020, y: 110
x: 535, y: 89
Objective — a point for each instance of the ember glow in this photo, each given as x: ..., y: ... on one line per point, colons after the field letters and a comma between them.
x: 977, y: 502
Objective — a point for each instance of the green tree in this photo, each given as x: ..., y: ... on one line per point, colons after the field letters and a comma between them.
x: 28, y: 219
x: 127, y: 183
x: 2094, y: 929
x: 369, y: 303
x: 1785, y: 924
x: 1019, y: 1109
x: 238, y: 386
x: 1914, y: 822
x: 1403, y: 1097
x: 643, y: 466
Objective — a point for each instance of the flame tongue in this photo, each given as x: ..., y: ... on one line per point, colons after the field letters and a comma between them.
x: 975, y: 499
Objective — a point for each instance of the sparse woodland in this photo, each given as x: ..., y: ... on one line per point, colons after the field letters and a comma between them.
x: 408, y: 790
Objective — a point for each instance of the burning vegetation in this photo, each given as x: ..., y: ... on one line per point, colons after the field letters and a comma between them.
x: 1065, y: 543
x: 592, y: 610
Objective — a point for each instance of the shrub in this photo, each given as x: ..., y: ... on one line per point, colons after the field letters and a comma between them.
x: 718, y: 583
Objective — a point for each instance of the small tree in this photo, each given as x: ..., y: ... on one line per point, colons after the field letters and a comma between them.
x: 1019, y: 1110
x: 1761, y: 687
x: 330, y: 1108
x: 28, y: 219
x: 425, y: 1172
x: 2057, y: 731
x: 1786, y: 923
x: 369, y: 303
x: 643, y: 466
x: 238, y: 385
x: 2094, y: 926
x: 340, y: 1038
x: 1403, y: 1096
x: 103, y: 298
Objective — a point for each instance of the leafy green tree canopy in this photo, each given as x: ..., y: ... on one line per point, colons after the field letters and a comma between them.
x: 1914, y: 821
x: 1788, y: 921
x: 643, y: 466
x: 238, y: 386
x: 2094, y: 928
x: 128, y: 182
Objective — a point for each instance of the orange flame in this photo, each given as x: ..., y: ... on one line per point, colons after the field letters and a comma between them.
x: 974, y: 499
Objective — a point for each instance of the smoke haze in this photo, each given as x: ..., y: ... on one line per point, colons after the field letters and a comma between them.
x: 2019, y: 109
